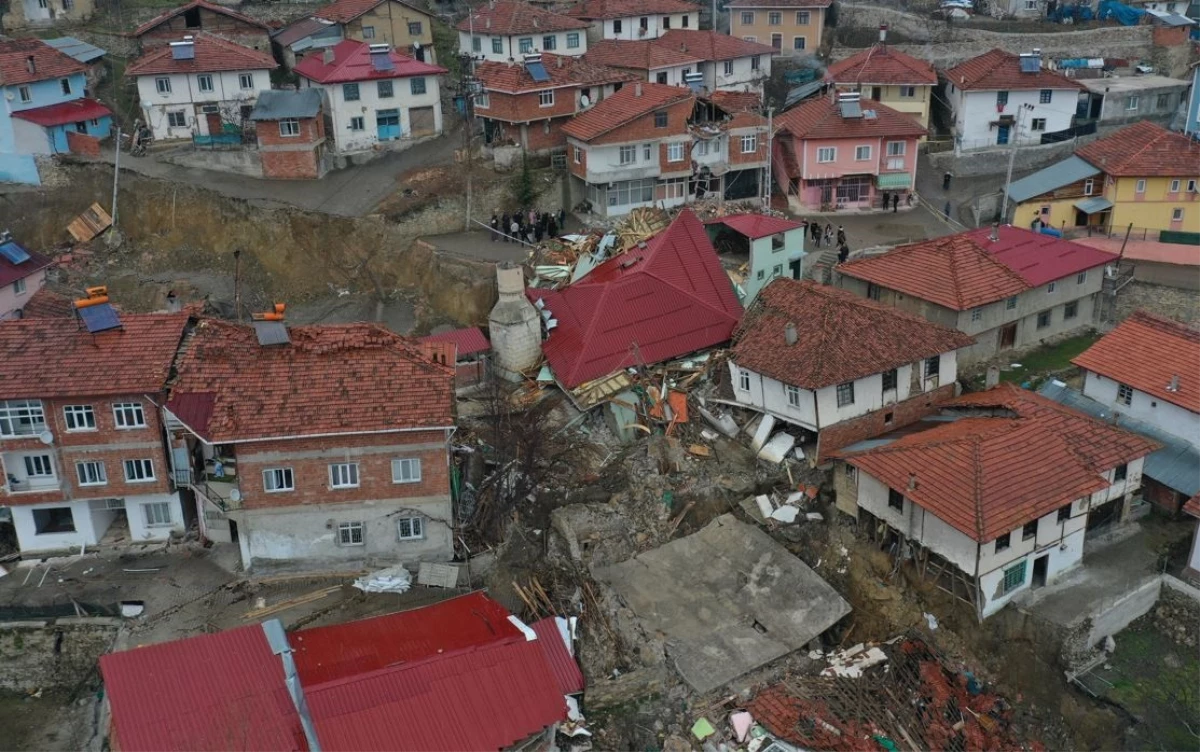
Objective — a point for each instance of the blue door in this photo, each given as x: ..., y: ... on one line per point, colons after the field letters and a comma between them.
x: 388, y: 124
x: 1002, y: 134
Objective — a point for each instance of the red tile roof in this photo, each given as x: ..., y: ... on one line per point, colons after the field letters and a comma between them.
x: 1144, y: 149
x: 508, y: 17
x: 779, y: 4
x: 10, y: 272
x: 562, y: 662
x: 1039, y: 258
x: 737, y: 101
x: 65, y: 112
x: 841, y: 337
x: 1192, y: 506
x: 233, y: 389
x: 466, y: 341
x: 645, y: 306
x: 755, y: 226
x: 325, y: 654
x: 56, y: 357
x: 882, y: 65
x: 563, y: 71
x: 44, y: 304
x: 997, y: 70
x: 712, y: 45
x: 821, y: 118
x: 48, y: 62
x: 641, y: 54
x: 226, y: 692
x: 212, y: 54
x: 168, y: 15
x: 344, y: 11
x: 623, y: 107
x: 352, y: 62
x: 594, y: 10
x: 1146, y: 351
x: 952, y: 271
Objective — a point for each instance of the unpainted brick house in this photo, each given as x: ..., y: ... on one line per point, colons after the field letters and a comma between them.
x: 290, y: 129
x: 200, y: 15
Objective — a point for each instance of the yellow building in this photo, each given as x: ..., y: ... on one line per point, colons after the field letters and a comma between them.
x: 889, y: 77
x: 1142, y: 175
x: 793, y: 27
x: 403, y: 26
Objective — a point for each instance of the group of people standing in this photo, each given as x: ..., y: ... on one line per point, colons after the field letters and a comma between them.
x: 826, y: 236
x: 526, y: 226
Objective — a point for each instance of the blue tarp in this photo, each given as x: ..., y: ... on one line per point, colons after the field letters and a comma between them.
x: 1122, y: 14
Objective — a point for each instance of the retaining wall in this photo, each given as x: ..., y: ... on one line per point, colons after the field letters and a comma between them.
x: 55, y: 654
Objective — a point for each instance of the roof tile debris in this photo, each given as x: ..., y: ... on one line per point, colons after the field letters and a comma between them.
x: 1153, y: 354
x: 1144, y: 149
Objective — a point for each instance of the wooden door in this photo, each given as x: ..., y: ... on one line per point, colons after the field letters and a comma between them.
x: 214, y: 123
x: 1008, y: 336
x: 422, y: 120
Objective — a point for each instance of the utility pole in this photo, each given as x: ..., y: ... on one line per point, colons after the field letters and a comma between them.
x: 767, y: 170
x: 466, y: 88
x: 1012, y: 157
x: 116, y: 175
x: 237, y: 285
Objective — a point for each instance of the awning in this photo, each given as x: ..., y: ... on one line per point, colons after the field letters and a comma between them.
x: 1093, y: 205
x: 893, y: 180
x: 65, y: 112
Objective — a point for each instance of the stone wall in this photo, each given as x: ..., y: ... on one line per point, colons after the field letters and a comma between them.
x: 57, y: 654
x: 995, y: 161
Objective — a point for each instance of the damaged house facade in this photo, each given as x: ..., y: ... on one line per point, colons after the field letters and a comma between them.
x: 706, y: 61
x: 998, y: 495
x: 200, y: 16
x: 836, y: 367
x: 317, y: 443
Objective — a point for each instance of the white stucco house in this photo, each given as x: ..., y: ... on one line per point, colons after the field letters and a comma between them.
x: 201, y: 87
x: 1000, y: 98
x: 634, y: 19
x: 376, y: 98
x: 22, y: 274
x: 996, y: 496
x: 503, y: 30
x: 774, y: 248
x: 837, y: 368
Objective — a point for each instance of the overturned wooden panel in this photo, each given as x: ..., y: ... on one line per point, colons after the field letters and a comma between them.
x: 90, y: 224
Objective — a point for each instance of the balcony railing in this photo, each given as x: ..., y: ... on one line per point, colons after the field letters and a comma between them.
x: 220, y: 493
x: 25, y: 485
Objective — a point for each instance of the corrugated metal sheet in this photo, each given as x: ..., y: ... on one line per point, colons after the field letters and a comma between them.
x: 1055, y: 176
x: 562, y: 663
x: 276, y: 104
x: 1093, y: 205
x: 76, y: 48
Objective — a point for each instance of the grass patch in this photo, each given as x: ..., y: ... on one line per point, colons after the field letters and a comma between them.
x: 1037, y: 365
x: 1157, y: 681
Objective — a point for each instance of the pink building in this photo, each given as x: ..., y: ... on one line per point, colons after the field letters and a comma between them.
x: 22, y: 273
x: 845, y: 153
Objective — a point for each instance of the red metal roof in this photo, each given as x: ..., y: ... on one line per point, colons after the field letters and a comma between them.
x: 882, y: 65
x: 48, y: 62
x: 755, y: 226
x: 212, y: 54
x: 1038, y: 258
x: 10, y: 272
x: 1192, y: 506
x: 467, y: 341
x: 645, y: 306
x: 821, y: 118
x: 507, y: 17
x: 326, y: 654
x: 352, y: 62
x: 65, y: 112
x: 562, y: 663
x: 997, y: 70
x: 1146, y: 351
x: 166, y: 16
x: 1144, y: 149
x: 222, y: 691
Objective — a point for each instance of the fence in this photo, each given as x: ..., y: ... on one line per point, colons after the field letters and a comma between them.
x: 1135, y: 233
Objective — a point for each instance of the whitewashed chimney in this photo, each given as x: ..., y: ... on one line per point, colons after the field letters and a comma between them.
x: 514, y: 325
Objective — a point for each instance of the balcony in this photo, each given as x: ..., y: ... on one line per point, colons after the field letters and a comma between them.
x: 219, y: 492
x: 17, y: 485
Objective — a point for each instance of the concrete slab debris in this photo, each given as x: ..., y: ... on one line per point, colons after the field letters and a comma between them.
x: 437, y: 575
x: 728, y: 599
x: 776, y: 450
x: 786, y: 514
x: 763, y: 432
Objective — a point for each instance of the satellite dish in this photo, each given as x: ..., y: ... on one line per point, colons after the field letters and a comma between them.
x: 46, y: 437
x: 584, y: 100
x: 235, y: 494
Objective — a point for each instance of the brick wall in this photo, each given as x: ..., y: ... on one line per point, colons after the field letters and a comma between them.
x: 578, y: 169
x: 873, y: 424
x: 683, y: 166
x: 643, y: 128
x: 525, y: 107
x: 1164, y: 36
x: 83, y: 144
x: 541, y: 136
x: 312, y: 130
x: 291, y: 165
x: 173, y: 30
x: 757, y: 156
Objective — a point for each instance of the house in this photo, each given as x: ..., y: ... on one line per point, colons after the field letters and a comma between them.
x: 886, y: 75
x: 45, y: 108
x: 1153, y: 262
x: 303, y: 37
x: 774, y: 248
x: 88, y: 54
x: 634, y: 20
x: 794, y: 27
x: 1130, y: 99
x: 838, y: 367
x: 1007, y: 287
x: 80, y: 447
x: 650, y: 144
x: 22, y: 275
x: 997, y: 496
x: 471, y: 358
x: 37, y: 14
x: 1191, y: 121
x: 648, y: 60
x: 649, y: 305
x: 375, y: 97
x: 289, y: 127
x: 258, y: 687
x: 200, y: 16
x: 287, y: 472
x: 704, y: 60
x: 503, y: 30
x: 1000, y: 98
x: 848, y: 153
x: 527, y: 104
x: 201, y: 87
x: 405, y: 27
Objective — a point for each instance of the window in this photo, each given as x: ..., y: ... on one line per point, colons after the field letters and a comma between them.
x: 862, y: 153
x: 19, y: 287
x: 91, y: 473
x: 1177, y: 214
x: 350, y: 534
x: 660, y: 120
x: 660, y: 77
x: 1191, y: 186
x: 53, y: 520
x: 139, y: 471
x: 908, y: 92
x: 357, y: 123
x: 744, y: 380
x: 65, y: 83
x: 1120, y: 473
x: 483, y: 101
x: 976, y: 314
x: 793, y: 395
x: 1174, y: 187
x: 1124, y: 394
x: 755, y: 62
x: 410, y: 528
x: 895, y: 500
x: 895, y: 148
x: 246, y: 80
x: 1071, y: 310
x: 157, y: 514
x: 415, y: 28
x: 1029, y: 531
x: 79, y: 418
x: 802, y: 18
x: 406, y: 470
x: 644, y: 23
x: 476, y: 44
x: 278, y: 479
x: 747, y: 18
x: 617, y: 28
x: 163, y: 85
x: 1037, y: 124
x: 774, y: 18
x: 1043, y: 319
x: 1089, y: 185
x: 1140, y: 187
x: 647, y: 152
x: 129, y: 415
x: 1011, y: 303
x: 628, y: 154
x: 685, y: 20
x: 628, y: 192
x: 526, y: 45
x: 873, y: 291
x: 1050, y: 288
x: 1002, y: 98
x: 21, y: 418
x: 204, y: 82
x: 1003, y: 542
x: 384, y: 89
x: 177, y: 119
x: 1064, y: 513
x: 889, y: 380
x: 25, y: 94
x: 577, y: 154
x: 845, y: 394
x: 39, y: 466
x: 777, y: 271
x: 343, y: 475
x: 497, y: 45
x: 549, y: 42
x: 289, y: 128
x: 674, y: 188
x: 368, y: 32
x: 1014, y: 577
x: 888, y: 417
x: 573, y: 40
x: 1045, y: 96
x: 728, y: 69
x: 827, y: 154
x: 350, y: 92
x: 933, y: 366
x: 1131, y: 102
x: 674, y: 152
x: 1031, y: 4
x: 749, y: 144
x: 799, y: 43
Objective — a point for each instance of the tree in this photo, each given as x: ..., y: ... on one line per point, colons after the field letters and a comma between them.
x: 522, y: 185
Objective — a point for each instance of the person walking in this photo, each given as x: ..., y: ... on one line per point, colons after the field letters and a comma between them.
x: 843, y: 253
x: 562, y: 219
x: 841, y: 235
x: 515, y: 229
x: 816, y: 232
x: 828, y: 234
x: 494, y: 223
x: 895, y: 202
x: 504, y: 227
x: 552, y: 227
